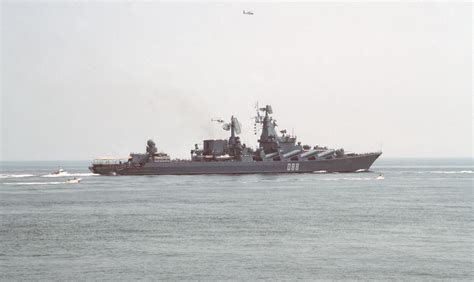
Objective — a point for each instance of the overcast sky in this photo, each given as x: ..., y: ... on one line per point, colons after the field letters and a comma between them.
x: 86, y: 80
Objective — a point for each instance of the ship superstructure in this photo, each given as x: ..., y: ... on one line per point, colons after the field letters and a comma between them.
x: 276, y: 153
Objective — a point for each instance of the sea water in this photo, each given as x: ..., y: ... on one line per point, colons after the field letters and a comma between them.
x: 416, y: 223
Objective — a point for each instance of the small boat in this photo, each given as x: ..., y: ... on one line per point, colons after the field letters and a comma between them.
x: 380, y: 177
x: 58, y: 171
x: 74, y: 180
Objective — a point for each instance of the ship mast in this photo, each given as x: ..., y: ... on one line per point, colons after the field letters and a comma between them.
x: 234, y: 145
x: 268, y: 139
x: 232, y: 131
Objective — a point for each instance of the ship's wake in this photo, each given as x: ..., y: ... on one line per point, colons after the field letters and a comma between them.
x: 4, y: 176
x: 62, y: 174
x: 67, y: 174
x: 34, y: 183
x: 349, y: 178
x: 446, y: 172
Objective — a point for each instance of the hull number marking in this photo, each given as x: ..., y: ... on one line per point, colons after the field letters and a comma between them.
x: 293, y: 167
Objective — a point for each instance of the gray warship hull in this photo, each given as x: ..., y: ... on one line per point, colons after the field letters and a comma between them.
x: 343, y: 164
x: 274, y: 154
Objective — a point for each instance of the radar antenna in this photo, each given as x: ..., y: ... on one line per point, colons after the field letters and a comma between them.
x: 234, y: 124
x: 258, y: 120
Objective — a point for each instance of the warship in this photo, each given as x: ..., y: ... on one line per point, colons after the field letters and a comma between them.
x: 276, y: 153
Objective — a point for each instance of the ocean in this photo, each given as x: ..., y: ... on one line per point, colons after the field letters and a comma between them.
x: 415, y: 224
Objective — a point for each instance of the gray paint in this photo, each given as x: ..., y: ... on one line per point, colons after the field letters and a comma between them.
x: 348, y: 164
x: 276, y: 160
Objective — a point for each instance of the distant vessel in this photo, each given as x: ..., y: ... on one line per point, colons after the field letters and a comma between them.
x: 58, y: 171
x: 74, y: 180
x: 275, y: 154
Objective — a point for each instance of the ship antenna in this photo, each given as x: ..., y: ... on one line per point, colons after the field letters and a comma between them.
x: 258, y: 119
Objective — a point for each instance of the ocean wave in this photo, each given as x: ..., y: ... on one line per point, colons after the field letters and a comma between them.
x: 34, y: 183
x: 349, y: 178
x: 325, y: 171
x: 3, y: 176
x: 447, y: 172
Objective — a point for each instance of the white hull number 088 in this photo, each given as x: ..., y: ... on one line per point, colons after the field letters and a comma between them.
x: 293, y: 167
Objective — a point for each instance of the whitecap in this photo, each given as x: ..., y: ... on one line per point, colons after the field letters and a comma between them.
x: 67, y: 174
x: 3, y: 176
x: 349, y: 178
x: 451, y: 171
x: 33, y: 183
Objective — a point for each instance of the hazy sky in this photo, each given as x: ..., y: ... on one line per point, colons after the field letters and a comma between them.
x: 85, y: 80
